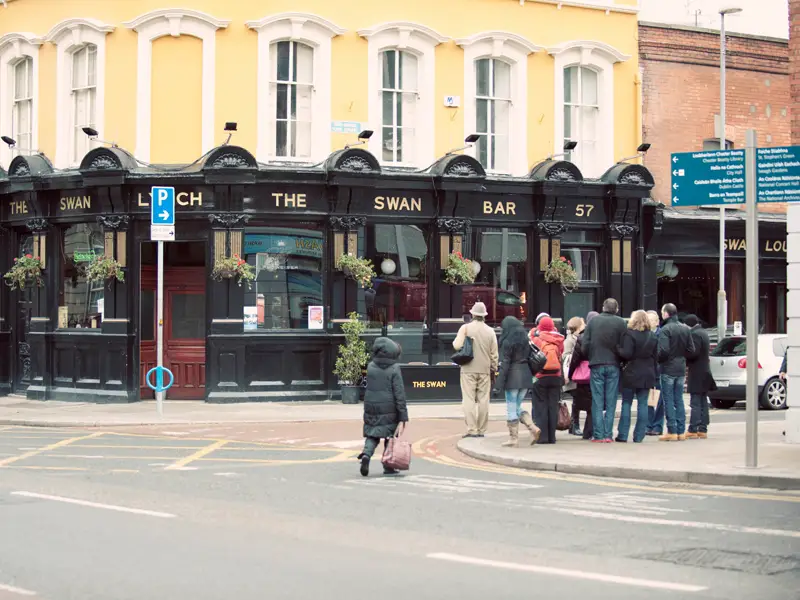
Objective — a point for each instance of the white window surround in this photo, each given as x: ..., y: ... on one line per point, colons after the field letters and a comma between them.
x: 174, y: 22
x: 513, y: 49
x: 420, y: 41
x: 601, y: 58
x: 68, y: 36
x: 608, y: 6
x: 317, y: 33
x: 14, y: 47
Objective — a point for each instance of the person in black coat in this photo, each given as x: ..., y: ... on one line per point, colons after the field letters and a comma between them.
x: 384, y: 400
x: 639, y: 348
x: 675, y: 343
x: 582, y: 394
x: 700, y: 381
x: 515, y: 379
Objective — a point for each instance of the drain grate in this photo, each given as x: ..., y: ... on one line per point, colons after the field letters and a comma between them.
x: 729, y: 560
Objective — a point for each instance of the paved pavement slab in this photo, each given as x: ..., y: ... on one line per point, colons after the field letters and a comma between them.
x: 718, y: 460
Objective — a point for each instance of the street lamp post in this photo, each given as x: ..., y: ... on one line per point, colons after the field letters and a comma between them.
x: 722, y: 300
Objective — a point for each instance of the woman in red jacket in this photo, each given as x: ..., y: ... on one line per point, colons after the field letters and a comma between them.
x: 547, y: 391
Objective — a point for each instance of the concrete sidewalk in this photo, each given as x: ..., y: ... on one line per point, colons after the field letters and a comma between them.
x: 16, y: 410
x: 719, y: 460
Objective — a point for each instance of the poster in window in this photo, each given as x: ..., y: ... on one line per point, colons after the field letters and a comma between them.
x: 63, y: 317
x: 250, y: 318
x: 315, y: 317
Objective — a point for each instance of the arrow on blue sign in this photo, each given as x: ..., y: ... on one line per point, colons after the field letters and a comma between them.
x: 162, y: 206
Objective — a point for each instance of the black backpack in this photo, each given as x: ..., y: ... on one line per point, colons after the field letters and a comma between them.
x: 536, y: 358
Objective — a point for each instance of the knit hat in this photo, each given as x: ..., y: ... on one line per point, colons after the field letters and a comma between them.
x: 546, y: 324
x: 540, y: 316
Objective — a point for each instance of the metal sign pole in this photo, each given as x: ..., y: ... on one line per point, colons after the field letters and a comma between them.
x: 722, y: 298
x: 751, y: 300
x: 160, y: 331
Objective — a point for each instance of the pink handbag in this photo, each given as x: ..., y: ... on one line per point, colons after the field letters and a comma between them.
x: 397, y: 454
x: 582, y: 373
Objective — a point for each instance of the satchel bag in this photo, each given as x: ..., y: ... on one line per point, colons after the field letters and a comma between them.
x: 397, y: 454
x: 536, y: 358
x: 582, y: 373
x: 564, y: 418
x: 465, y: 355
x: 652, y: 399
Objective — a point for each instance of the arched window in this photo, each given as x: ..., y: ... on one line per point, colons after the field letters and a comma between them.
x: 398, y: 106
x: 492, y: 112
x: 83, y: 95
x: 22, y: 104
x: 290, y: 98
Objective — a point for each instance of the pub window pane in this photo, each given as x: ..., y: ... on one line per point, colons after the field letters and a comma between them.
x: 398, y: 101
x: 500, y: 255
x: 187, y: 316
x: 288, y: 268
x: 147, y: 313
x: 578, y: 304
x: 584, y: 261
x: 492, y: 108
x: 80, y: 304
x: 290, y: 89
x: 83, y: 95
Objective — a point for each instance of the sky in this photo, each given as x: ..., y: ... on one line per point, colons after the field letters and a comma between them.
x: 758, y: 17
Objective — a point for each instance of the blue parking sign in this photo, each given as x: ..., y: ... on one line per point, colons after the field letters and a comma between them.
x: 162, y: 206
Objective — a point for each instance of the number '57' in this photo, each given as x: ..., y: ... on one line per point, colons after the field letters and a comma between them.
x: 584, y: 210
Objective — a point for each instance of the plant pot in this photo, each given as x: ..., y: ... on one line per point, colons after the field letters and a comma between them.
x: 351, y: 394
x: 226, y: 273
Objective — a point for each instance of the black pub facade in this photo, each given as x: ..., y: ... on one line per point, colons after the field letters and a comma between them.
x: 277, y: 340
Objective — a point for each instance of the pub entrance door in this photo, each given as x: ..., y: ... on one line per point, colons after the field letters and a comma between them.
x: 184, y: 318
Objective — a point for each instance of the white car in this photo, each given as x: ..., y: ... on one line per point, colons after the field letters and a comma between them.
x: 729, y: 368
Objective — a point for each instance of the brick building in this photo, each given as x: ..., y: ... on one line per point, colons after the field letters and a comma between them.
x: 680, y: 98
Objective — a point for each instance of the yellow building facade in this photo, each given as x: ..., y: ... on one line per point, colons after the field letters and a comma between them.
x: 303, y: 78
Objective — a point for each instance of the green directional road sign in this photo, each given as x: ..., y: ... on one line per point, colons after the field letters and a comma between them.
x: 705, y: 178
x: 778, y: 174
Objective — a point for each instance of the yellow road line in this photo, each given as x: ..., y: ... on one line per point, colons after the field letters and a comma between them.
x: 694, y: 491
x: 199, y: 454
x: 62, y: 443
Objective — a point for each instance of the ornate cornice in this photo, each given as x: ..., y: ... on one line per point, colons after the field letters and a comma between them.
x: 37, y: 224
x: 348, y: 223
x: 114, y: 221
x: 228, y: 220
x: 453, y: 225
x: 622, y: 230
x: 550, y: 229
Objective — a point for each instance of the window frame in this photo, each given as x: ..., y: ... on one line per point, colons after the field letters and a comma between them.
x: 601, y: 58
x: 291, y: 83
x: 17, y: 102
x: 515, y: 50
x: 91, y: 98
x: 397, y: 90
x: 492, y: 100
x: 577, y: 108
x: 16, y: 46
x: 63, y: 257
x: 312, y: 31
x: 420, y: 41
x: 68, y: 36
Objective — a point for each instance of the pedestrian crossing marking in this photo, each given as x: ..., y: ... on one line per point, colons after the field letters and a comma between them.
x: 458, y: 485
x: 612, y: 502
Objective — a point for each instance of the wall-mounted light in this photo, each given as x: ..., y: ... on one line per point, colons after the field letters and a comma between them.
x: 640, y: 152
x: 363, y: 138
x: 7, y: 140
x: 92, y: 134
x: 469, y: 141
x: 230, y: 128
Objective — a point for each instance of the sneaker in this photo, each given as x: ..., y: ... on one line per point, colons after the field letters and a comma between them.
x: 620, y: 440
x: 469, y: 435
x: 608, y: 441
x: 388, y: 471
x: 364, y: 466
x: 596, y: 441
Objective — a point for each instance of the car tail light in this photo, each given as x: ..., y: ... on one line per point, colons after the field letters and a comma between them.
x: 743, y: 363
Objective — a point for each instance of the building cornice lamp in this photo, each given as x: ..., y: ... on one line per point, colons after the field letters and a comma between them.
x: 363, y: 138
x: 640, y: 152
x: 92, y: 133
x: 230, y: 129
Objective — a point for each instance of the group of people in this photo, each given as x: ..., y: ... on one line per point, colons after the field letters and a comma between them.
x: 600, y: 357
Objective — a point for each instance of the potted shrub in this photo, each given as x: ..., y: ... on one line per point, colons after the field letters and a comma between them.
x: 560, y: 271
x: 358, y: 269
x: 458, y: 270
x: 352, y: 359
x: 104, y: 268
x: 27, y: 269
x: 230, y: 267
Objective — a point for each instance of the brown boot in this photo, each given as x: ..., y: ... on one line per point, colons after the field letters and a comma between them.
x: 513, y: 435
x: 682, y: 437
x: 692, y: 436
x: 702, y: 435
x: 669, y: 437
x: 526, y: 420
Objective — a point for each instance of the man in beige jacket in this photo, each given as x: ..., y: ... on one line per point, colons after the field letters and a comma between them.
x: 476, y: 375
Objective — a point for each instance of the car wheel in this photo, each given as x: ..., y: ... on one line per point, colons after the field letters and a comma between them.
x: 723, y: 403
x: 773, y: 396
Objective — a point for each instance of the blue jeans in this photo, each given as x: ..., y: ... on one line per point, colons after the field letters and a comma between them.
x: 656, y: 422
x: 604, y: 382
x: 642, y: 416
x: 672, y: 395
x: 514, y: 400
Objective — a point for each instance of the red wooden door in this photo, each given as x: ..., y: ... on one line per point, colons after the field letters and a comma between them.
x: 184, y: 331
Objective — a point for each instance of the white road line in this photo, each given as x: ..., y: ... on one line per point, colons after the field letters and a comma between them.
x: 16, y: 590
x: 228, y: 474
x: 135, y: 511
x: 599, y: 505
x: 345, y: 445
x: 575, y: 574
x: 688, y: 524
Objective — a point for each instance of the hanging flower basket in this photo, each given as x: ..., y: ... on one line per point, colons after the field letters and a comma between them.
x: 26, y: 270
x: 459, y: 270
x: 358, y: 269
x: 233, y: 267
x: 560, y: 271
x: 104, y: 268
